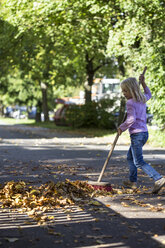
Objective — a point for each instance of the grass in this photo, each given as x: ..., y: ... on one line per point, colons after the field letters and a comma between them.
x: 11, y: 121
x: 90, y: 132
x: 156, y: 137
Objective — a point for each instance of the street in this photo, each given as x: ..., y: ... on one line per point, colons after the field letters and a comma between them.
x: 123, y: 220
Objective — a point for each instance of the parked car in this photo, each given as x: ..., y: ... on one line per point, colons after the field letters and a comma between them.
x: 59, y: 116
x: 16, y: 112
x: 32, y: 113
x: 8, y: 110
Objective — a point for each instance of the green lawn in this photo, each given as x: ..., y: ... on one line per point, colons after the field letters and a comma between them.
x: 156, y: 137
x: 11, y: 121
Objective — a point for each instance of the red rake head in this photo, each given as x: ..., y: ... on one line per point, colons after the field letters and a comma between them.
x: 107, y: 188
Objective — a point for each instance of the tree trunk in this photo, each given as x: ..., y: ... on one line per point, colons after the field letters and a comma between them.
x: 90, y: 77
x: 121, y: 65
x: 44, y: 101
x: 88, y: 88
x: 1, y: 109
x: 39, y: 110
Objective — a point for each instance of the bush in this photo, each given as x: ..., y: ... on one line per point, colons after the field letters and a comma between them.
x: 94, y: 114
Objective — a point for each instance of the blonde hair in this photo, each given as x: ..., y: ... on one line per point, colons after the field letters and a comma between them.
x: 133, y: 86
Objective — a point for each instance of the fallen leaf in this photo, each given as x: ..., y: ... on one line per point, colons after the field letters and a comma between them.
x: 11, y: 240
x: 107, y: 205
x: 95, y: 203
x: 96, y: 219
x: 124, y: 204
x: 99, y: 241
x: 28, y: 223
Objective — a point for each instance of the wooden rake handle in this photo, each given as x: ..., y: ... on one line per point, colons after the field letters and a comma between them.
x: 108, y: 157
x: 144, y: 71
x: 110, y: 152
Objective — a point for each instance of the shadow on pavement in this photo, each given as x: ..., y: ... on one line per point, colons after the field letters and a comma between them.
x: 107, y: 225
x: 88, y: 227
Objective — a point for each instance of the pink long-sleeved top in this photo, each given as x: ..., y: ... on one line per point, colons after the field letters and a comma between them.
x: 136, y: 121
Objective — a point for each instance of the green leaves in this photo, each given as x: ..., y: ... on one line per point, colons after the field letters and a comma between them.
x: 49, y: 41
x: 138, y: 38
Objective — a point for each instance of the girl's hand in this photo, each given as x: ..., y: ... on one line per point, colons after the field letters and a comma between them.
x: 141, y: 79
x: 119, y: 131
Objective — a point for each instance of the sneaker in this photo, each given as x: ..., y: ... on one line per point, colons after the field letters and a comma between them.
x: 130, y: 184
x: 158, y: 185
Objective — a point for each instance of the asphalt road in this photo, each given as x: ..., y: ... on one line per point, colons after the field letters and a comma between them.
x: 122, y: 221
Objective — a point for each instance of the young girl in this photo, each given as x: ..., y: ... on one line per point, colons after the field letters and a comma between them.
x: 136, y: 124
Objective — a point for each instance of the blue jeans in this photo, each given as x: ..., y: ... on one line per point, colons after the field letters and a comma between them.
x: 135, y: 158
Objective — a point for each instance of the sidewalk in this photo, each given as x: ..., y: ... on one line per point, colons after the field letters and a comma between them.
x: 132, y: 220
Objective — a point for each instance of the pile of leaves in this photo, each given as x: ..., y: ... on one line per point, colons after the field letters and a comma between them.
x: 51, y: 195
x: 36, y: 200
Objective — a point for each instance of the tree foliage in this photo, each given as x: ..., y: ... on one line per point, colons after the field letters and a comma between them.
x: 67, y: 43
x: 139, y: 38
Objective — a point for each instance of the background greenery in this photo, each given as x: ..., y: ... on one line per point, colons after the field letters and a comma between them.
x: 49, y: 48
x: 93, y: 114
x: 159, y: 141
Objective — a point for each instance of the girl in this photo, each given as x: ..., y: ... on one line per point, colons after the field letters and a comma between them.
x: 136, y: 124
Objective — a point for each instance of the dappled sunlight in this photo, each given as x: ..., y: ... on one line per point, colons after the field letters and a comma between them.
x: 104, y: 211
x: 114, y: 220
x: 112, y: 245
x: 17, y: 219
x: 138, y: 203
x: 160, y: 239
x: 14, y: 219
x: 134, y: 211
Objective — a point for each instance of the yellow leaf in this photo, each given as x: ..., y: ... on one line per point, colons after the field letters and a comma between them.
x: 95, y: 203
x: 124, y: 204
x: 28, y: 223
x: 97, y: 219
x: 34, y: 192
x: 50, y: 217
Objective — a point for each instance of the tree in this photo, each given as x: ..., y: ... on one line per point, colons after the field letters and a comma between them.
x: 62, y: 42
x: 139, y: 38
x: 86, y: 30
x: 30, y: 53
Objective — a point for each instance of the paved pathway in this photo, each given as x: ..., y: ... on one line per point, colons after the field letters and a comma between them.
x: 125, y: 220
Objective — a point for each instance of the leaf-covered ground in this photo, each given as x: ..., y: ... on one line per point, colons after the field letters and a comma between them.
x: 36, y: 201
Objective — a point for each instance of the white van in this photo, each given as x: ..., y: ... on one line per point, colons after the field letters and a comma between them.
x: 105, y: 88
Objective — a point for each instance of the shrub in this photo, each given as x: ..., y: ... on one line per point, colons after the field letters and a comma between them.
x: 94, y: 114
